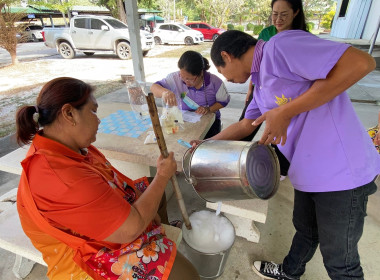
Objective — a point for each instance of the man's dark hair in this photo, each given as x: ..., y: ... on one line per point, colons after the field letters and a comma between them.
x: 234, y: 42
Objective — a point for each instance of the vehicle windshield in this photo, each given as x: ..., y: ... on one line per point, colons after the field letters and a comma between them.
x: 35, y: 27
x: 184, y: 26
x: 116, y: 23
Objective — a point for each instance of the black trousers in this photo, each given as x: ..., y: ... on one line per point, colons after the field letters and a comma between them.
x: 335, y: 221
x: 214, y: 129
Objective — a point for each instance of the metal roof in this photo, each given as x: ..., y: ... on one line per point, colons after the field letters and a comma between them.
x: 144, y: 11
x: 26, y: 10
x: 45, y: 10
x: 89, y: 9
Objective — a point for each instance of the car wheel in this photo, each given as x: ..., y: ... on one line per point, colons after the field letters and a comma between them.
x: 215, y: 36
x: 157, y: 40
x: 145, y: 53
x: 66, y: 51
x: 34, y: 39
x: 123, y: 50
x: 89, y: 53
x: 189, y: 41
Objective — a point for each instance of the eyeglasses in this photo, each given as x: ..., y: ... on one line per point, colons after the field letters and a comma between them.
x: 190, y: 81
x: 281, y: 16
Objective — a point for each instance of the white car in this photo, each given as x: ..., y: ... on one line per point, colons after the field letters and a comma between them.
x: 90, y: 34
x: 176, y: 33
x: 31, y: 33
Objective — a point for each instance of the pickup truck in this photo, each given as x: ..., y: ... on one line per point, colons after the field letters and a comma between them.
x: 90, y: 34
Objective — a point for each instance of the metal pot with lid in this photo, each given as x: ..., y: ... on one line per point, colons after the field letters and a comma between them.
x: 221, y: 170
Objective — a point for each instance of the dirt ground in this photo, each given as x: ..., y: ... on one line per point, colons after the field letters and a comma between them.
x: 21, y: 83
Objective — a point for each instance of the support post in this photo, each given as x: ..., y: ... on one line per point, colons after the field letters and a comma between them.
x: 134, y: 35
x: 375, y: 37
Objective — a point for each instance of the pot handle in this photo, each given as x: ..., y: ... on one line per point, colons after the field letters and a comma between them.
x: 188, y: 178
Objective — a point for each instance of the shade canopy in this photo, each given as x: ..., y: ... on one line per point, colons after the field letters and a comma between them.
x: 154, y: 18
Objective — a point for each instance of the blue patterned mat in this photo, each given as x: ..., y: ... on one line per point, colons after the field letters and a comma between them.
x: 124, y: 123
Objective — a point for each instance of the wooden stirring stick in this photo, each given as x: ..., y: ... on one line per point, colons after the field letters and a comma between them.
x: 164, y: 152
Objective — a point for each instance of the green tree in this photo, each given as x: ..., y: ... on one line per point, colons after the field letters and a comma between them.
x: 261, y: 11
x: 242, y: 11
x: 117, y: 7
x: 9, y: 29
x: 64, y: 6
x: 163, y: 6
x: 316, y: 9
x: 111, y: 5
x: 218, y: 12
x: 328, y: 18
x: 257, y: 29
x: 203, y: 7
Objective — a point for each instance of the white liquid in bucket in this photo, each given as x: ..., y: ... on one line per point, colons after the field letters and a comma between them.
x: 218, y: 208
x: 210, y: 233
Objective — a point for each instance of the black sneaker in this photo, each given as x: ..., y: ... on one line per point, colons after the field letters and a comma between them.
x: 270, y: 270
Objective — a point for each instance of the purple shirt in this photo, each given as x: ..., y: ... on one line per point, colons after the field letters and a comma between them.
x: 328, y: 148
x: 211, y: 92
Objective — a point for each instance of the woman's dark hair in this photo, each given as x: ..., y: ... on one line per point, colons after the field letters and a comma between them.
x: 234, y: 42
x: 50, y: 100
x: 193, y: 62
x: 299, y: 20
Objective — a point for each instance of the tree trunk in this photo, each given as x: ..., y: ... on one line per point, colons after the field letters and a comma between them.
x: 64, y: 18
x: 68, y: 12
x: 121, y: 10
x: 13, y: 57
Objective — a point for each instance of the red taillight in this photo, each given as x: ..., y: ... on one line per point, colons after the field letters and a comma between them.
x: 43, y: 35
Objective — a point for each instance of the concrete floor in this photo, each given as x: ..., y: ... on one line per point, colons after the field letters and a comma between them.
x: 275, y: 240
x: 277, y: 234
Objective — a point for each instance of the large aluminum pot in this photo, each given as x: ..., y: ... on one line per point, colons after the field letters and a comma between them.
x: 232, y: 170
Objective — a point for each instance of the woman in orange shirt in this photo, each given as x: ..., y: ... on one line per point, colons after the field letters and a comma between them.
x: 88, y: 220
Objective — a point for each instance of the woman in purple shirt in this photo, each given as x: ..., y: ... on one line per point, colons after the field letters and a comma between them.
x: 205, y: 89
x: 300, y: 82
x: 286, y: 15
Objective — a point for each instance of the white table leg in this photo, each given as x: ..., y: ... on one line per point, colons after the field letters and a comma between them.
x: 22, y: 267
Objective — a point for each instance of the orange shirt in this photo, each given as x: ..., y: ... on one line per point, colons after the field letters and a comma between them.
x: 83, y: 195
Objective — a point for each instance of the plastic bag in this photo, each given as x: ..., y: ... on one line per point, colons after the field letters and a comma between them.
x: 171, y: 119
x: 150, y: 138
x: 137, y: 98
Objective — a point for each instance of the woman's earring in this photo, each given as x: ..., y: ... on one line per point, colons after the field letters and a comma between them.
x: 74, y: 124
